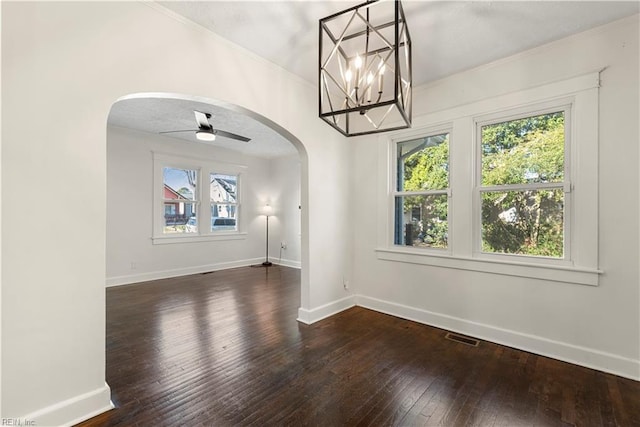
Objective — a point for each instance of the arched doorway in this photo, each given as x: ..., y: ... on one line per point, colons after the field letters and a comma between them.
x: 135, y: 143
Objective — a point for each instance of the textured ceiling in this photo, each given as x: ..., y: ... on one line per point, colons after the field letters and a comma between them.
x: 155, y: 114
x: 447, y: 36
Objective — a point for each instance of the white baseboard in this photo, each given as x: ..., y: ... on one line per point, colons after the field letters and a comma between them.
x: 72, y: 411
x: 288, y: 263
x: 324, y: 311
x: 587, y: 357
x: 583, y: 356
x: 165, y: 274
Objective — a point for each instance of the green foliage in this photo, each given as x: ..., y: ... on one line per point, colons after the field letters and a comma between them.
x: 503, y: 136
x: 534, y: 153
x: 427, y: 219
x: 186, y: 192
x: 517, y: 152
x: 523, y: 151
x: 523, y: 222
x: 427, y: 169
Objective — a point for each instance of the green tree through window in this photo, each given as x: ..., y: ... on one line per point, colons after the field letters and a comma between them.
x: 422, y: 192
x: 522, y: 180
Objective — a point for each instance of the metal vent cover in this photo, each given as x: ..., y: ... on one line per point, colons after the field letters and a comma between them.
x: 462, y: 339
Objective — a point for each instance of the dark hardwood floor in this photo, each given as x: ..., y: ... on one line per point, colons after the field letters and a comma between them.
x: 225, y: 349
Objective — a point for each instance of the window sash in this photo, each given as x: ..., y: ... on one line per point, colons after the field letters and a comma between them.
x: 422, y: 193
x: 201, y: 202
x: 581, y: 263
x: 430, y: 231
x: 524, y: 187
x: 517, y: 114
x: 396, y: 184
x: 530, y: 223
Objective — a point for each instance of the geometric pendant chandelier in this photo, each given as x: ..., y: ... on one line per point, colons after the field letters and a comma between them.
x: 365, y: 69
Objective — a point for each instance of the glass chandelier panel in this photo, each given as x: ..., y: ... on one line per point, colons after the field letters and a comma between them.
x: 365, y: 69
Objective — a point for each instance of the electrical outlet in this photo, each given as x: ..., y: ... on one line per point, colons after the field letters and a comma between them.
x: 283, y: 245
x: 133, y: 265
x: 345, y: 283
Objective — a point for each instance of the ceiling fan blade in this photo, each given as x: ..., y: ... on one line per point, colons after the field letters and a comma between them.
x: 174, y: 131
x: 231, y: 135
x: 203, y: 120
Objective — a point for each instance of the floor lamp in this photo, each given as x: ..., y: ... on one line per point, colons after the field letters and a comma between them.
x: 266, y: 210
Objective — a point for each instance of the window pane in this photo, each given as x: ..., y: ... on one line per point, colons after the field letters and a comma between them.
x: 523, y: 222
x: 421, y: 221
x: 423, y: 164
x: 180, y: 183
x: 223, y: 217
x: 524, y: 151
x: 180, y: 217
x: 223, y: 188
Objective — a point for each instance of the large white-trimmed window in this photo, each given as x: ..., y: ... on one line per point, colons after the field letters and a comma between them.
x: 195, y: 200
x: 421, y: 197
x: 523, y: 191
x: 523, y: 184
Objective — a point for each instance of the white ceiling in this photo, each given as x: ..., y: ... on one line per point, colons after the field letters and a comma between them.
x: 447, y: 37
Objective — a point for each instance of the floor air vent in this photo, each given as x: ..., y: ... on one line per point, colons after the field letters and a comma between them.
x: 462, y: 339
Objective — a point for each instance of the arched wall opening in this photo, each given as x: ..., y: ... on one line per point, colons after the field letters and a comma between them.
x: 57, y: 264
x: 134, y: 142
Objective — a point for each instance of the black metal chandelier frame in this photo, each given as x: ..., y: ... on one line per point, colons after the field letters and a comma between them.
x: 351, y: 109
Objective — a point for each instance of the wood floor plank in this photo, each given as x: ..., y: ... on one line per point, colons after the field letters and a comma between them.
x: 225, y: 349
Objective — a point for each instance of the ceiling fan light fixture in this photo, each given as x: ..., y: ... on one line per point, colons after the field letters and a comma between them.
x: 206, y: 132
x: 205, y: 135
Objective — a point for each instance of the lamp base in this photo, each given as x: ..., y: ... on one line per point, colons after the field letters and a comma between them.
x: 267, y: 264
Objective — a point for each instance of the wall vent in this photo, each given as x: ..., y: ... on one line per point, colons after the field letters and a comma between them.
x: 462, y: 339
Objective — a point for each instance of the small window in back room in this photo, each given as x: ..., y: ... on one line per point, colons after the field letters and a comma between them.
x: 180, y: 200
x: 223, y: 191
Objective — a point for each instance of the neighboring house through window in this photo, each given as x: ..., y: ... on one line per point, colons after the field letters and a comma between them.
x: 224, y: 201
x: 179, y: 199
x: 180, y: 215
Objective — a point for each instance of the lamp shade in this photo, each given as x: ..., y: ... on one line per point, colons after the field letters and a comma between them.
x: 266, y: 210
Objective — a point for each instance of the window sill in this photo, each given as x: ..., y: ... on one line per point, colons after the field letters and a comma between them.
x: 164, y: 240
x: 555, y: 273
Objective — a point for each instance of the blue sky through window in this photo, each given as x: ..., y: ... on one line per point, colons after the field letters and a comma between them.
x: 178, y: 179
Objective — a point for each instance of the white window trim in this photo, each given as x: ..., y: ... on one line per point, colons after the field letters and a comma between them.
x: 203, y: 206
x: 182, y: 238
x: 554, y: 273
x: 581, y: 266
x: 565, y: 105
x: 421, y: 133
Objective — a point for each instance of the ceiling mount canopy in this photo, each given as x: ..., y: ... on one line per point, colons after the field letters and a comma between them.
x: 365, y: 69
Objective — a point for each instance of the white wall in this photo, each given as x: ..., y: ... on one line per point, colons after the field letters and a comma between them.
x: 63, y: 66
x: 131, y: 255
x: 285, y: 225
x: 592, y: 326
x: 53, y: 262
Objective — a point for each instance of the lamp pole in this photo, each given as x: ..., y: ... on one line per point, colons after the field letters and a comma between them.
x: 266, y: 262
